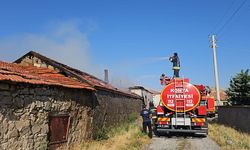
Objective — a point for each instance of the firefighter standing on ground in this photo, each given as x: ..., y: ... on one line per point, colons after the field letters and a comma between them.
x: 176, y: 64
x: 146, y: 117
x: 152, y: 109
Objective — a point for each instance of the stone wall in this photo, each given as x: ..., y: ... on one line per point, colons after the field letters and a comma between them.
x: 113, y: 109
x: 36, y: 62
x: 25, y: 110
x: 235, y: 116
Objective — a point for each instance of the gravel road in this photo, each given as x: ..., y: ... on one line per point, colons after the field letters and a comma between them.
x: 182, y: 143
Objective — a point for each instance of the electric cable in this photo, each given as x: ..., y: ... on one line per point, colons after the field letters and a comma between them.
x: 224, y: 15
x: 231, y: 17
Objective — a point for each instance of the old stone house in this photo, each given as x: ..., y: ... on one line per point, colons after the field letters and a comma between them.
x: 156, y: 97
x: 146, y: 94
x: 40, y: 107
x: 111, y: 105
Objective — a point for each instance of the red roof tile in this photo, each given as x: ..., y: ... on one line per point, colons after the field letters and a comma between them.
x: 80, y: 75
x: 34, y: 75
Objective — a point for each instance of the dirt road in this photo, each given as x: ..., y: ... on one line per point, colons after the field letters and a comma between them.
x: 182, y: 143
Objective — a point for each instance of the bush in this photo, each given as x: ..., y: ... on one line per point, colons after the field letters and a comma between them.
x: 105, y: 133
x: 132, y: 117
x: 44, y: 145
x: 101, y: 134
x: 239, y: 90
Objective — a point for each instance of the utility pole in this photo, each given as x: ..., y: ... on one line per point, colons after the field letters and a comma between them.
x: 215, y: 70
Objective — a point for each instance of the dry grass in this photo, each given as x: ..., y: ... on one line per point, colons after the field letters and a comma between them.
x: 132, y: 139
x: 125, y: 137
x: 229, y: 138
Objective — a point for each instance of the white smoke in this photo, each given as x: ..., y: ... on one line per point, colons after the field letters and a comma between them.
x: 64, y: 43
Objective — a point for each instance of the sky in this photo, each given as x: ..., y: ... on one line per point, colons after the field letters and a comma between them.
x: 131, y: 38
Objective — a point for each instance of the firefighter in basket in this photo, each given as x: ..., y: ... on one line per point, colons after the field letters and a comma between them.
x: 176, y: 64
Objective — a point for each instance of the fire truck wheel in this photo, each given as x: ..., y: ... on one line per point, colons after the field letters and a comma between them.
x: 158, y: 134
x: 201, y: 135
x: 169, y: 135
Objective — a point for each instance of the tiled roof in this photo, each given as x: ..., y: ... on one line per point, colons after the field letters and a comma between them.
x: 98, y: 83
x: 80, y: 75
x: 34, y: 75
x: 223, y: 95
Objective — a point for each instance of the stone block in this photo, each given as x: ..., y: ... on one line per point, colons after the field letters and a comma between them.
x: 36, y: 129
x: 26, y: 144
x: 27, y: 101
x: 44, y: 129
x: 15, y: 94
x: 11, y: 125
x: 1, y: 117
x: 26, y: 131
x: 24, y: 91
x: 32, y: 119
x: 65, y: 106
x: 19, y: 102
x: 39, y: 104
x: 47, y: 105
x: 14, y: 144
x: 32, y: 91
x: 5, y: 100
x: 43, y: 92
x: 4, y: 86
x: 12, y: 133
x: 5, y: 93
x: 27, y: 60
x: 37, y: 65
x: 19, y: 112
x: 32, y: 106
x: 5, y: 125
x: 50, y: 67
x: 22, y: 125
x: 4, y: 146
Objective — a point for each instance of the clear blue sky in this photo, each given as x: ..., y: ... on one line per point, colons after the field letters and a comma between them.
x: 128, y: 36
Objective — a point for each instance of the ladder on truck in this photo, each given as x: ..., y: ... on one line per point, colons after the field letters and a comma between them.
x: 180, y: 110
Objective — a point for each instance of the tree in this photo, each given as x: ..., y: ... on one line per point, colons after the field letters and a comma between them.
x: 239, y: 90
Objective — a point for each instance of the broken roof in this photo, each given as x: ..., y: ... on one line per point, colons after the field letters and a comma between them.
x: 33, y: 75
x: 80, y: 75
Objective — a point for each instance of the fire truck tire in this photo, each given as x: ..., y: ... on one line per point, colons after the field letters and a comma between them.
x: 169, y: 135
x: 158, y: 134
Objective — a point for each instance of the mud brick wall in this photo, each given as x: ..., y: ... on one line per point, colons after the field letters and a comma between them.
x: 113, y: 109
x: 235, y: 116
x: 25, y: 110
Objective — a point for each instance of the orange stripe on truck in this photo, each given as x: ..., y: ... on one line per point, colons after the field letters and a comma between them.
x: 198, y: 120
x: 163, y: 119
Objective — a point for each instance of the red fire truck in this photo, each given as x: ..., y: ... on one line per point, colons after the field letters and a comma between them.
x: 183, y: 108
x: 206, y: 98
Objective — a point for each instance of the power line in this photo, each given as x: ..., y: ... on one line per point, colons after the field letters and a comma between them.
x: 231, y: 17
x: 224, y: 15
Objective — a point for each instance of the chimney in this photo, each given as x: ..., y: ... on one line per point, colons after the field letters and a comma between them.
x: 106, y: 75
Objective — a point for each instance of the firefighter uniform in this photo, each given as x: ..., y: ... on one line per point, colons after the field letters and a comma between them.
x: 146, y: 114
x: 154, y: 117
x: 176, y: 64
